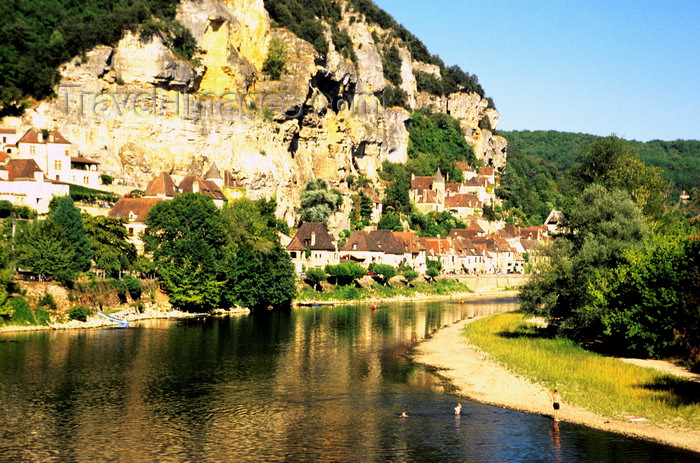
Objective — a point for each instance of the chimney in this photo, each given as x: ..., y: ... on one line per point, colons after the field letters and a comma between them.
x: 313, y: 238
x: 51, y: 138
x: 40, y: 136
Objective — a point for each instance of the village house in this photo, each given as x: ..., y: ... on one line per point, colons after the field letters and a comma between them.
x: 440, y: 248
x: 312, y: 247
x: 414, y: 251
x: 23, y: 183
x: 554, y: 222
x: 462, y: 199
x: 160, y: 188
x: 52, y: 153
x: 134, y: 211
x: 393, y: 251
x: 163, y: 186
x: 361, y: 248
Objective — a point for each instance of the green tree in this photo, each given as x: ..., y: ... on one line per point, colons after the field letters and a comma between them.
x: 7, y: 287
x: 385, y: 271
x: 314, y: 276
x: 346, y: 273
x: 261, y: 273
x: 67, y: 216
x: 614, y: 163
x: 653, y: 299
x: 390, y: 221
x: 262, y: 280
x: 45, y: 249
x: 433, y: 268
x: 109, y: 242
x: 396, y: 197
x: 436, y: 141
x: 188, y: 238
x: 569, y: 287
x: 318, y: 201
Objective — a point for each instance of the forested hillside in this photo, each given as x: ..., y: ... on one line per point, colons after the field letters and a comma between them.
x: 536, y: 181
x: 37, y: 36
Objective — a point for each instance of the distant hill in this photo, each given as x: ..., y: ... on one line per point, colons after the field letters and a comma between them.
x: 538, y: 162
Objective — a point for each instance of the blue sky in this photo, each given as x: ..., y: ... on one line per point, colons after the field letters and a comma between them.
x: 626, y: 67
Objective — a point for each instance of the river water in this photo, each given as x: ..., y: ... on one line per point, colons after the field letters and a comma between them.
x: 315, y: 385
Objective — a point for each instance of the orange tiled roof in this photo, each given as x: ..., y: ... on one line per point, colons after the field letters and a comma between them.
x: 421, y: 183
x: 161, y: 185
x: 322, y: 240
x: 139, y: 207
x: 192, y: 182
x: 462, y: 200
x: 35, y: 136
x: 20, y: 169
x: 361, y: 241
x: 409, y: 241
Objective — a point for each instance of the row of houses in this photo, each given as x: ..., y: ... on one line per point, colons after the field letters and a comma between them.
x: 36, y: 166
x: 163, y: 188
x: 463, y: 199
x: 463, y: 251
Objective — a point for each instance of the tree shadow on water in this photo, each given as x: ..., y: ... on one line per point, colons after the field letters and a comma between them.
x: 683, y: 391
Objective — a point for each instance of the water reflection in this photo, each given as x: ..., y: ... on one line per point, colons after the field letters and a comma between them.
x: 318, y: 384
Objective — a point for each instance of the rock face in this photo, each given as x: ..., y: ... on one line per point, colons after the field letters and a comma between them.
x: 140, y: 110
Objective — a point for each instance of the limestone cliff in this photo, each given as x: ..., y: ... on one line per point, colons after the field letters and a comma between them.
x: 139, y: 109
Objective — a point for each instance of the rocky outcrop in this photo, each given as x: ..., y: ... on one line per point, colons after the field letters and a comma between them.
x: 369, y: 61
x: 139, y: 109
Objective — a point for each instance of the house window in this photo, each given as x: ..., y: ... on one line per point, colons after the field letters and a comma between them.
x: 57, y: 165
x: 32, y: 150
x: 58, y: 178
x: 131, y: 230
x: 67, y: 152
x: 86, y: 180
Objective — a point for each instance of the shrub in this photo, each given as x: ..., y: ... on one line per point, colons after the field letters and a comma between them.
x: 394, y: 96
x: 133, y: 285
x: 346, y: 272
x: 427, y: 82
x: 386, y: 271
x: 391, y: 65
x: 47, y: 301
x: 410, y: 275
x: 138, y: 306
x: 21, y: 312
x: 42, y: 316
x: 106, y: 179
x: 79, y: 312
x: 343, y: 44
x: 315, y: 276
x: 276, y: 56
x: 122, y: 289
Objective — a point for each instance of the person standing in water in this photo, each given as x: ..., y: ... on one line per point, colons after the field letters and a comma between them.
x: 458, y: 409
x: 556, y: 401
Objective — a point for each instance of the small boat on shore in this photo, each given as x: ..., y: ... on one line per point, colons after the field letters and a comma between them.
x: 314, y: 304
x: 124, y: 323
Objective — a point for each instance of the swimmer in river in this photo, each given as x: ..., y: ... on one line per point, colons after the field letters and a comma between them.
x: 458, y: 409
x: 404, y: 415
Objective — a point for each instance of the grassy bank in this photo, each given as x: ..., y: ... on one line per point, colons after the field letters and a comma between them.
x: 601, y: 384
x: 376, y: 291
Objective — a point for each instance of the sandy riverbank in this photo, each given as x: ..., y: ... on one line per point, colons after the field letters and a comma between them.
x: 482, y: 379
